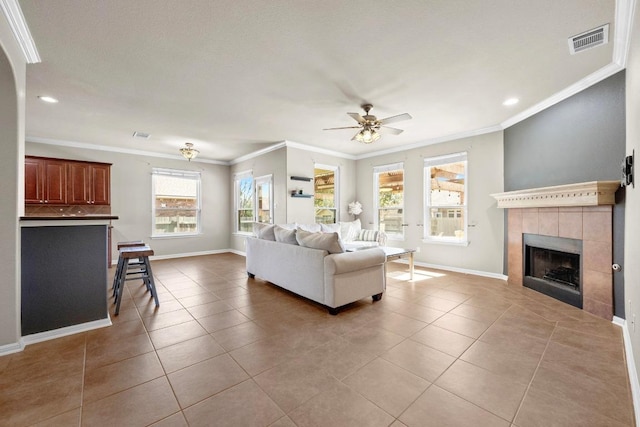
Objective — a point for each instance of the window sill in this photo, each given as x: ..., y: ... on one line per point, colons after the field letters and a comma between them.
x: 175, y: 236
x: 463, y: 243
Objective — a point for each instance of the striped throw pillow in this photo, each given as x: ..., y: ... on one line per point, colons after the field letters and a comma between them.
x: 368, y: 235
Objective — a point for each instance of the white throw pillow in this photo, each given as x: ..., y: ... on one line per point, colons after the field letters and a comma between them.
x: 330, y: 228
x: 349, y: 231
x: 312, y: 228
x: 284, y: 235
x: 329, y: 242
x: 264, y: 231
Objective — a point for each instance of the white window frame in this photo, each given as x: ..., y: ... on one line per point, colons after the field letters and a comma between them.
x: 256, y: 182
x: 237, y: 177
x: 428, y: 164
x: 377, y: 170
x: 155, y: 172
x: 336, y: 187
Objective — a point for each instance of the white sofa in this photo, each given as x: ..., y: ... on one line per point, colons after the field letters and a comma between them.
x: 329, y: 277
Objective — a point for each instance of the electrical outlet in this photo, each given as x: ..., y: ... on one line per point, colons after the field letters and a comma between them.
x: 418, y: 249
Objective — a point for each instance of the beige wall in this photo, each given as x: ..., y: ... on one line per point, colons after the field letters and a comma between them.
x: 271, y: 163
x: 632, y: 213
x: 485, y: 176
x: 131, y: 198
x: 283, y: 163
x: 12, y: 112
x: 302, y: 163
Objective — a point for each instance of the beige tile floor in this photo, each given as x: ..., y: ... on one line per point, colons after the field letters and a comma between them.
x: 444, y: 350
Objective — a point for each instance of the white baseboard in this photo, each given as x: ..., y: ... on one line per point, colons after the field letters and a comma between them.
x: 50, y: 335
x: 185, y: 255
x: 631, y: 367
x: 456, y: 269
x: 11, y: 348
x: 189, y: 254
x: 63, y: 332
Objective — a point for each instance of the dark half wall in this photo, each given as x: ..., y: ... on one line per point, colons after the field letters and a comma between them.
x: 577, y: 140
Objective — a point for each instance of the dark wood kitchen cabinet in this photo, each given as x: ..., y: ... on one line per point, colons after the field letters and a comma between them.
x: 89, y: 183
x: 66, y: 182
x: 45, y: 181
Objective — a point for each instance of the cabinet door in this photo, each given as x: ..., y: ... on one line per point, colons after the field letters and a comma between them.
x: 79, y: 183
x: 33, y: 181
x: 55, y: 182
x: 100, y: 184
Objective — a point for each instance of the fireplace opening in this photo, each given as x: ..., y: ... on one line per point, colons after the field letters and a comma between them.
x: 553, y: 266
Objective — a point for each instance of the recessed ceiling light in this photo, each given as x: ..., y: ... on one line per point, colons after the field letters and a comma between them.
x: 510, y: 101
x: 48, y: 99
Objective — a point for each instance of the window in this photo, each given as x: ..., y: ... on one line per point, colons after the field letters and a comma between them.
x: 264, y: 199
x: 445, y: 198
x: 325, y: 187
x: 176, y: 202
x: 389, y: 199
x: 244, y: 202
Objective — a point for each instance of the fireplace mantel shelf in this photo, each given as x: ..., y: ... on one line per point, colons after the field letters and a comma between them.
x: 592, y: 193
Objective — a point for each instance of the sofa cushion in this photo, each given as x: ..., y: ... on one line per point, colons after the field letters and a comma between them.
x: 285, y: 235
x: 264, y: 231
x: 329, y: 242
x: 331, y: 228
x: 368, y: 235
x: 291, y: 226
x: 349, y: 230
x: 313, y: 228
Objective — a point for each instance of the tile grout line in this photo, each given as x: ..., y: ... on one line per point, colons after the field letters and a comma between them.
x: 535, y: 372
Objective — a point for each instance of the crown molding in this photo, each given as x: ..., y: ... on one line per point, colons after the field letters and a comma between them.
x: 86, y: 146
x: 258, y: 153
x: 20, y: 30
x: 590, y: 80
x: 300, y: 146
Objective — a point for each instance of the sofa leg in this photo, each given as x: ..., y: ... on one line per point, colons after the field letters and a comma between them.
x: 333, y: 310
x: 377, y: 297
x: 251, y: 275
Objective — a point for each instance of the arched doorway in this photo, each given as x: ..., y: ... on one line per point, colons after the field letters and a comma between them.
x: 12, y: 145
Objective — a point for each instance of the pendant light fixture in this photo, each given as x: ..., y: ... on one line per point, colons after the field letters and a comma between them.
x: 188, y: 152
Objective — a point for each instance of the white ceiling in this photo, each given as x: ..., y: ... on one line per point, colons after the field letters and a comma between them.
x: 238, y: 76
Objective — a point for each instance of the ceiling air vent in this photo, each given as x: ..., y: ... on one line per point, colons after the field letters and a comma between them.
x: 141, y: 135
x: 589, y: 39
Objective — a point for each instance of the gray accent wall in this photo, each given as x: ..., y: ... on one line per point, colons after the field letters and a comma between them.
x: 577, y: 140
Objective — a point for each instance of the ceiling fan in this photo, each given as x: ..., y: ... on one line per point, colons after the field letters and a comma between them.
x: 370, y: 126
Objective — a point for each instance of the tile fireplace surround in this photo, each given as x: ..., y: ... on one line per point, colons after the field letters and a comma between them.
x: 578, y: 211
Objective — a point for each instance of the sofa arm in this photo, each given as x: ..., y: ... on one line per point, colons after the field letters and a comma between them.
x: 353, y: 261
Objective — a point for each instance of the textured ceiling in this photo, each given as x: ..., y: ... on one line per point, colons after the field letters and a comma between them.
x: 234, y: 77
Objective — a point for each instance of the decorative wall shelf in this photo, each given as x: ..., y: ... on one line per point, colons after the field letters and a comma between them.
x: 301, y: 178
x: 306, y: 196
x: 592, y: 193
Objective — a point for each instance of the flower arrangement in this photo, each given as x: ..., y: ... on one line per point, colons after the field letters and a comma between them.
x: 355, y: 208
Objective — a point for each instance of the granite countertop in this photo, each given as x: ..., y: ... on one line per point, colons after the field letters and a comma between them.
x: 67, y: 217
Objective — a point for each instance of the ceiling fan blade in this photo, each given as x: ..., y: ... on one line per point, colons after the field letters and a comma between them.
x: 358, y: 118
x: 393, y: 119
x: 354, y: 136
x: 346, y: 127
x: 392, y: 131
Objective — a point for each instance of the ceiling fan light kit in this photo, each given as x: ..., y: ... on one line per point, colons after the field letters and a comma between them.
x: 370, y: 127
x: 367, y: 136
x: 188, y: 152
